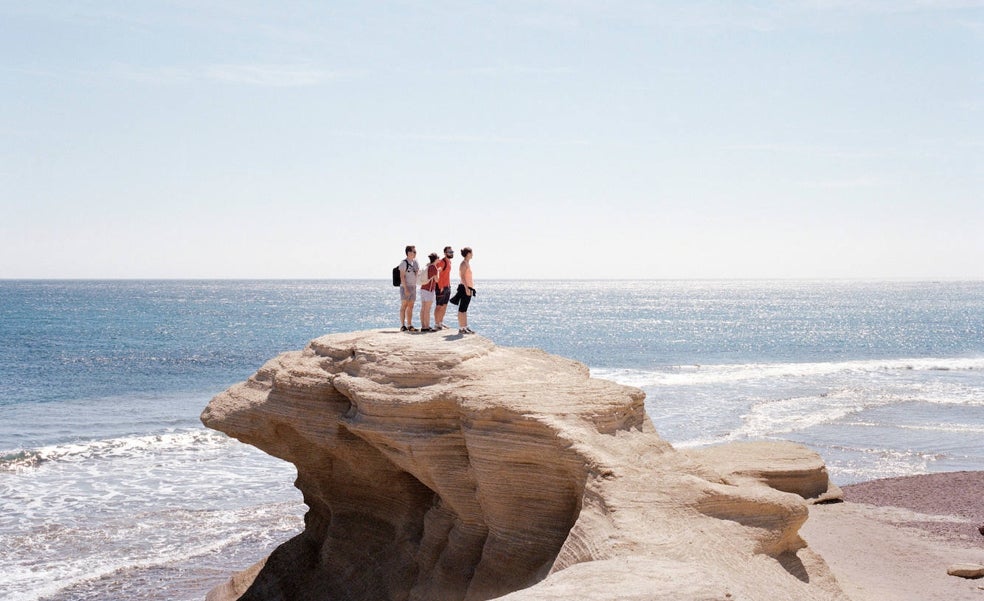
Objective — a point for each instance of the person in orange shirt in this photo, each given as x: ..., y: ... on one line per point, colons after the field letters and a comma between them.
x: 443, y: 288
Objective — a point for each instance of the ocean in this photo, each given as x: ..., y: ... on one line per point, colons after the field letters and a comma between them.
x: 111, y: 489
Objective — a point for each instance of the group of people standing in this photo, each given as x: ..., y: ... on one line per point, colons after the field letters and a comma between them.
x: 435, y: 286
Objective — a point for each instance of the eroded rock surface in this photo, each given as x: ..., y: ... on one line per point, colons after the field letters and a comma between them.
x: 443, y: 468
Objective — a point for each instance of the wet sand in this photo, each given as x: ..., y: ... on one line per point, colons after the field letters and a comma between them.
x: 893, y: 539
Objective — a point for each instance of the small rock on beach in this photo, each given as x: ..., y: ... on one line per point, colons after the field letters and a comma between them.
x: 966, y: 570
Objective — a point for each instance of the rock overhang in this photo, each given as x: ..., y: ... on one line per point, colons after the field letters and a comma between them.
x: 470, y: 471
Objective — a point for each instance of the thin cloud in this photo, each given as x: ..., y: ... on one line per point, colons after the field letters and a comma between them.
x: 279, y: 76
x: 819, y: 151
x: 262, y: 75
x: 847, y: 184
x: 715, y: 17
x: 506, y: 70
x: 462, y: 138
x: 892, y: 6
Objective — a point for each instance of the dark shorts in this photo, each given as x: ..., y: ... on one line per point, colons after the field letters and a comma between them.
x: 443, y: 295
x: 464, y: 301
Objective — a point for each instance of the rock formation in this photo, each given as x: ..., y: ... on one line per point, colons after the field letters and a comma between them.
x: 440, y: 468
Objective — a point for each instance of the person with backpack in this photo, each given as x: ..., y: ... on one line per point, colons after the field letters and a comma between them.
x: 408, y: 288
x: 427, y: 293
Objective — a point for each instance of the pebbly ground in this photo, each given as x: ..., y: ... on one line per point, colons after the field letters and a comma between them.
x: 953, y: 493
x: 894, y: 539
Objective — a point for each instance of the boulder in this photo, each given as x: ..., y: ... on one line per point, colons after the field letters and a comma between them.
x: 441, y: 468
x: 966, y: 570
x: 781, y: 465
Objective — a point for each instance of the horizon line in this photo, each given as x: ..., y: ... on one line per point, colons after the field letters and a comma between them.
x: 494, y: 279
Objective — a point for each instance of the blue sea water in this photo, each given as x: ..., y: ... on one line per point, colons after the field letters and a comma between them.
x: 110, y: 488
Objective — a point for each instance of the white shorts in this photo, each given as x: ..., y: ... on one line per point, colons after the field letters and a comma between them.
x: 427, y: 296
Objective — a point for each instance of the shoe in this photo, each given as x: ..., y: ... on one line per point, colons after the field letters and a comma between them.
x: 427, y: 330
x: 462, y: 331
x: 412, y: 329
x: 469, y: 331
x: 403, y: 328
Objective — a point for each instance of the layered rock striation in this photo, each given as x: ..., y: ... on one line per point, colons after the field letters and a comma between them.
x: 443, y: 468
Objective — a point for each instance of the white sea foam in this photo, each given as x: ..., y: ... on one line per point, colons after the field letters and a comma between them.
x: 769, y: 418
x: 900, y: 402
x: 773, y: 417
x: 943, y: 427
x: 690, y: 375
x: 51, y: 559
x: 76, y: 512
x: 868, y: 464
x: 113, y: 448
x: 71, y: 513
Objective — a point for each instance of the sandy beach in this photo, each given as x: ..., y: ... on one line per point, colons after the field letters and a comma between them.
x: 893, y: 539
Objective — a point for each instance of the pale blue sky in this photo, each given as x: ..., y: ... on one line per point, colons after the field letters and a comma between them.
x: 560, y: 139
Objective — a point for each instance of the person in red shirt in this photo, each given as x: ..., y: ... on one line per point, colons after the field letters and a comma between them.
x: 427, y: 293
x: 443, y: 288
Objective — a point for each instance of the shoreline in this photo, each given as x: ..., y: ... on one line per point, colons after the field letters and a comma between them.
x: 957, y: 494
x: 894, y: 538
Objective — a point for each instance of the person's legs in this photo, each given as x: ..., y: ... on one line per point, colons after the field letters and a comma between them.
x: 463, y: 314
x: 426, y: 300
x: 406, y: 308
x: 439, y: 312
x: 425, y: 307
x: 442, y: 306
x: 413, y: 301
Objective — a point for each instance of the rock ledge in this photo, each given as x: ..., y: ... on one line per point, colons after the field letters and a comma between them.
x: 443, y: 468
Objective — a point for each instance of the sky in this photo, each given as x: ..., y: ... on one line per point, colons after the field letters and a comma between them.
x: 557, y: 138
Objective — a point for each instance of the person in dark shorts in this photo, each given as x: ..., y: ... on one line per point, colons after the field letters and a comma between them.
x: 466, y: 290
x: 443, y: 288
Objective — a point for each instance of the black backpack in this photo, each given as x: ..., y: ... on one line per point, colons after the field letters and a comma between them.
x: 396, y: 272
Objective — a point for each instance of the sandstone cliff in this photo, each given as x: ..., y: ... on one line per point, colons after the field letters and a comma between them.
x: 439, y: 468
